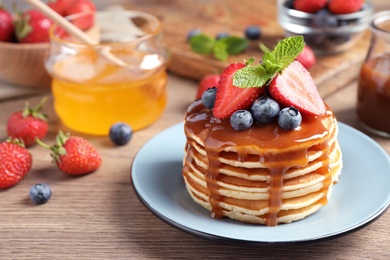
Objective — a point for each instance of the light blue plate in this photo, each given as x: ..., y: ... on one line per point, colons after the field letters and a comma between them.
x: 361, y: 196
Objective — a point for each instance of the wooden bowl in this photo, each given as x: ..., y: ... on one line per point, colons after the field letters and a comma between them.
x: 23, y: 64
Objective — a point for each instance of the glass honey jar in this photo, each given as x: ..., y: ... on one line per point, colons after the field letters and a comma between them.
x: 373, y: 102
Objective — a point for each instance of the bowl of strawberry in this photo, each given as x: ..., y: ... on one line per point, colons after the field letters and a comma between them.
x: 24, y: 40
x: 328, y: 26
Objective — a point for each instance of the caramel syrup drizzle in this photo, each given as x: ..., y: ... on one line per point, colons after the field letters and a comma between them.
x: 218, y: 134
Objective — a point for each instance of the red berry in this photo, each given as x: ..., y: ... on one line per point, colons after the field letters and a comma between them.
x: 28, y: 124
x: 345, y: 6
x: 307, y: 57
x: 309, y: 6
x: 295, y: 87
x: 15, y: 162
x: 32, y: 27
x: 208, y: 81
x: 231, y: 98
x: 87, y: 19
x: 60, y: 6
x: 6, y: 26
x: 74, y: 155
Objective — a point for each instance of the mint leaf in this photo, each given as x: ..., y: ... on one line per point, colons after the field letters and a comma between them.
x: 235, y: 45
x: 251, y: 76
x: 250, y: 61
x: 287, y: 50
x: 272, y: 63
x: 202, y: 43
x: 220, y: 50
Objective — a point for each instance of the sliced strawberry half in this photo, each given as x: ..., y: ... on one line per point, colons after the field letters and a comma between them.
x: 231, y: 98
x: 208, y: 81
x: 295, y: 87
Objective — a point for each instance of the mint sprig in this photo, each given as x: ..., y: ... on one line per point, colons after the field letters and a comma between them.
x: 272, y: 63
x: 221, y: 48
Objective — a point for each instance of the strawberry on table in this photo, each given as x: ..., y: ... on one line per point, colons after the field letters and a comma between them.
x: 6, y: 26
x: 208, y: 81
x: 309, y: 6
x: 74, y: 155
x: 345, y: 6
x: 28, y: 124
x: 231, y: 98
x: 295, y: 87
x: 32, y: 27
x: 307, y: 57
x: 15, y: 162
x: 87, y: 9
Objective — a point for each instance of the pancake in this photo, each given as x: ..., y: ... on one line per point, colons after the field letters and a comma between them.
x: 263, y: 175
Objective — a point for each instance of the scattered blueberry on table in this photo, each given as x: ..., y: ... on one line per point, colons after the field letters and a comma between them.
x: 40, y: 193
x: 120, y: 133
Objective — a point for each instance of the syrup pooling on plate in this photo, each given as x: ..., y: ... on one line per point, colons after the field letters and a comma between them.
x: 260, y: 144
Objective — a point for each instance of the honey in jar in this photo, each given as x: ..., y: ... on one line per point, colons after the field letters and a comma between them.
x: 373, y: 104
x: 121, y: 78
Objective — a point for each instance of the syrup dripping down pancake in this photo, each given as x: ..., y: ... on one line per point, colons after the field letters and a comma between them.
x: 262, y: 175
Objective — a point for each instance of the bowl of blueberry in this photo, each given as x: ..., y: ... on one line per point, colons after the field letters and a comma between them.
x: 328, y: 26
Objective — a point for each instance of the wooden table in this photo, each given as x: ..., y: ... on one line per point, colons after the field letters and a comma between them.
x: 98, y: 216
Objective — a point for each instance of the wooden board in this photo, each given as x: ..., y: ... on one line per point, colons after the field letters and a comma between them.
x: 232, y: 16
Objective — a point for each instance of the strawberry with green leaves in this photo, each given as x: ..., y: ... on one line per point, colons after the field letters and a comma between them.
x: 32, y: 27
x: 15, y: 162
x: 74, y: 155
x: 230, y: 98
x: 288, y: 82
x: 6, y: 25
x: 28, y: 124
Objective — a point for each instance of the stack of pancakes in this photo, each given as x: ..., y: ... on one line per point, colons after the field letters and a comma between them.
x: 262, y: 175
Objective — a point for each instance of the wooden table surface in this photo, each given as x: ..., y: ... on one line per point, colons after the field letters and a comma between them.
x: 98, y: 216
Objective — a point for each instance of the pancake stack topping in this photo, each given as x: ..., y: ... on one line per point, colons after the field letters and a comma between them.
x: 262, y: 145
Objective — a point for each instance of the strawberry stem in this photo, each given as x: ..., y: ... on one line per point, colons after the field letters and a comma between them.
x: 17, y: 141
x: 35, y: 111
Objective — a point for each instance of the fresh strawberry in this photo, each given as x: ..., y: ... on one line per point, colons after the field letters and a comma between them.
x: 208, y: 81
x: 295, y: 87
x: 87, y: 10
x: 32, y: 27
x: 60, y: 6
x: 345, y: 6
x: 230, y: 98
x: 28, y: 124
x: 309, y: 6
x: 74, y: 155
x: 6, y: 26
x: 15, y: 162
x: 307, y: 57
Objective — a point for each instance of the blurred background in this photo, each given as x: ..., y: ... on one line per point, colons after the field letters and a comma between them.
x: 99, y: 3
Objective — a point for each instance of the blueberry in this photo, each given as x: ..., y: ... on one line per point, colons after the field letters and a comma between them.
x: 241, y: 120
x: 192, y: 33
x: 120, y: 133
x: 265, y: 109
x: 40, y: 193
x: 221, y: 35
x: 289, y: 118
x: 208, y: 97
x: 253, y: 32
